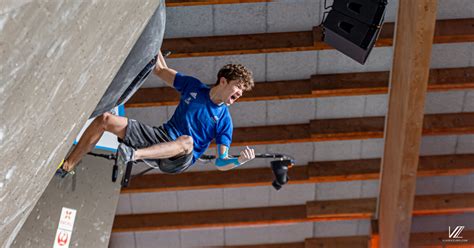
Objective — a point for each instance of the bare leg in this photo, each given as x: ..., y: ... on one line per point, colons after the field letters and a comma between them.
x: 182, y: 145
x: 106, y: 122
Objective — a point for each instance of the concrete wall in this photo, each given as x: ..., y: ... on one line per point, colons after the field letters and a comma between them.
x: 91, y: 192
x: 58, y: 57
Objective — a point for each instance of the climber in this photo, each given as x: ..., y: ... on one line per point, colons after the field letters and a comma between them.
x: 201, y: 116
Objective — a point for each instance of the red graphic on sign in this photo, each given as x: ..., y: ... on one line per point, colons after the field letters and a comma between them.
x: 62, y: 238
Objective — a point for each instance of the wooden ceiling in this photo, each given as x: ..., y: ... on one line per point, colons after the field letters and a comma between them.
x: 347, y: 84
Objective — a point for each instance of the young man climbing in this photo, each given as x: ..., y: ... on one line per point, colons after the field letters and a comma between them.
x: 201, y: 116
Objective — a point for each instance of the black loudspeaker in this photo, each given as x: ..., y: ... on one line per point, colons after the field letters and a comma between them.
x: 353, y: 26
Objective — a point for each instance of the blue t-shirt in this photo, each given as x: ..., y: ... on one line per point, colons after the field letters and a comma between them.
x: 199, y: 117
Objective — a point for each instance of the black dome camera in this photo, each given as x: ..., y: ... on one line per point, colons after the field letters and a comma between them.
x: 280, y: 170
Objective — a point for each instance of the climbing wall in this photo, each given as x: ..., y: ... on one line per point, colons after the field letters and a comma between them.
x: 58, y: 58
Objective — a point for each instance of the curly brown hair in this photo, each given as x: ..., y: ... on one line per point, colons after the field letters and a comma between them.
x: 237, y: 72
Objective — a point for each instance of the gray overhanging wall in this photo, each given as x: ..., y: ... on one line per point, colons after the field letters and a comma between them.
x: 58, y: 57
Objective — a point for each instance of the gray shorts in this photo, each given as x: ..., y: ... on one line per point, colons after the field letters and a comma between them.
x: 139, y: 135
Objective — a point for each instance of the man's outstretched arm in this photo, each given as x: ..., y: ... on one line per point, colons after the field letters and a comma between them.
x: 163, y: 72
x: 224, y: 162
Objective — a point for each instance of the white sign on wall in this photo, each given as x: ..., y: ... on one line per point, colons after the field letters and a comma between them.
x: 65, y: 227
x: 108, y: 141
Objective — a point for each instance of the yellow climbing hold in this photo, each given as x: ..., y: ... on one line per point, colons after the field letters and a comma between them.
x: 60, y: 164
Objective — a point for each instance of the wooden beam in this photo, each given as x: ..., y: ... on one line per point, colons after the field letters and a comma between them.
x: 447, y: 31
x: 346, y: 209
x: 367, y: 169
x: 408, y: 84
x: 183, y: 3
x: 364, y: 208
x: 445, y: 165
x: 315, y: 172
x: 313, y: 211
x: 210, y: 218
x: 347, y: 128
x: 367, y: 83
x: 241, y: 44
x: 443, y: 204
x: 373, y: 127
x: 329, y: 85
